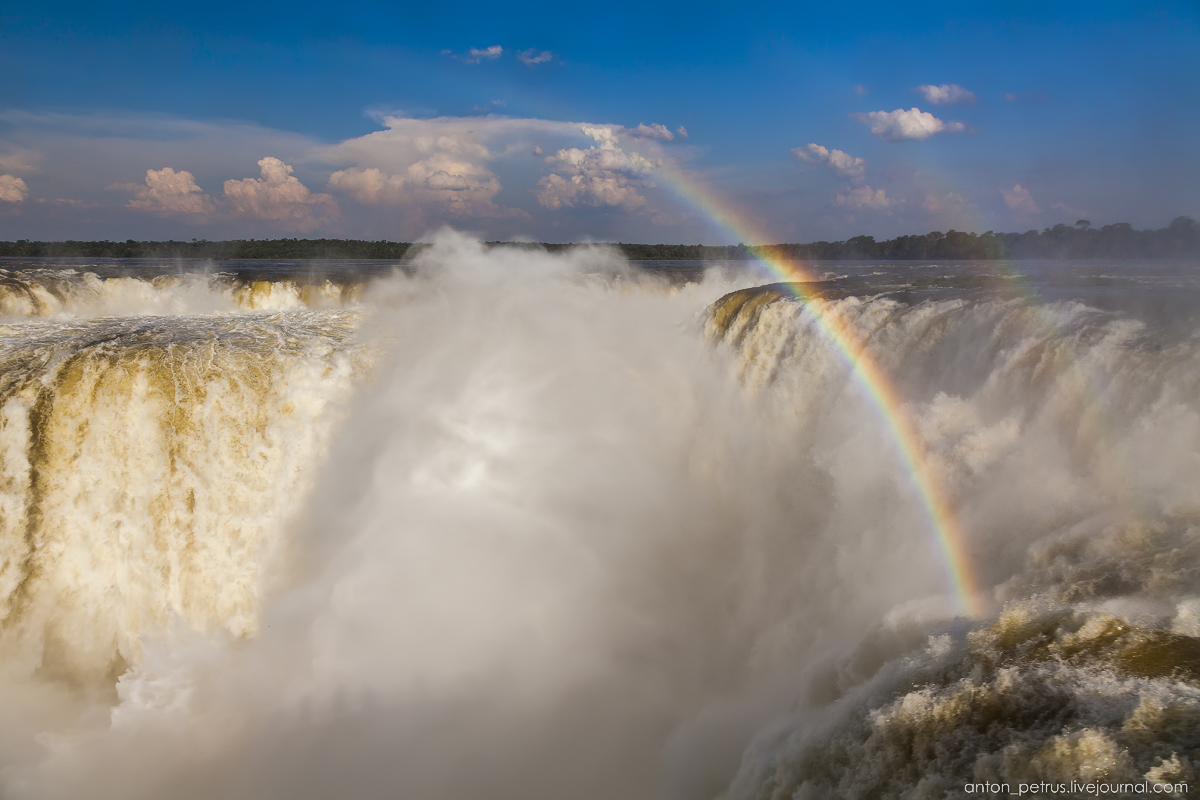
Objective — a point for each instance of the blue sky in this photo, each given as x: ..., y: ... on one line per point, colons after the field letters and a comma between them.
x: 220, y: 120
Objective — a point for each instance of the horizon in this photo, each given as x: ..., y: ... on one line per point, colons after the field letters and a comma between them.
x: 1081, y: 225
x: 805, y: 123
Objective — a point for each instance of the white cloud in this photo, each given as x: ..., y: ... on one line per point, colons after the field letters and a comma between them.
x: 901, y: 125
x: 85, y: 158
x: 947, y: 94
x: 370, y: 185
x: 444, y: 180
x: 437, y: 168
x: 19, y: 159
x: 859, y: 89
x: 12, y: 189
x: 654, y: 130
x: 475, y: 55
x: 864, y: 197
x: 1019, y: 199
x: 386, y: 182
x: 532, y: 57
x: 682, y: 131
x: 841, y: 162
x: 169, y: 193
x: 601, y: 175
x: 280, y: 197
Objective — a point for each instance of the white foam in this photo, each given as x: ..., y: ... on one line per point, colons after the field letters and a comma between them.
x: 566, y: 521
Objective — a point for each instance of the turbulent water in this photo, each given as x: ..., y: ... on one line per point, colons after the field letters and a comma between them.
x: 506, y: 524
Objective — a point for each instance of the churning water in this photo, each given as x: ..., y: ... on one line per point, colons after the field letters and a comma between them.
x: 512, y: 525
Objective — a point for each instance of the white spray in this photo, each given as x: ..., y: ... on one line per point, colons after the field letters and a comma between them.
x: 571, y: 540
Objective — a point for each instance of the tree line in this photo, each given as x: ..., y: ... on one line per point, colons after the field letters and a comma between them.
x: 225, y: 250
x: 1179, y: 239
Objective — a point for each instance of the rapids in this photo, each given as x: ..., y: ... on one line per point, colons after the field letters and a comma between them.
x: 513, y: 524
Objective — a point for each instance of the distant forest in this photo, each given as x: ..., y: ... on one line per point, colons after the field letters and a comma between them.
x: 1179, y: 239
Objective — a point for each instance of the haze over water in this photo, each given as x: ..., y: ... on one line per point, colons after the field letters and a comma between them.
x: 515, y: 524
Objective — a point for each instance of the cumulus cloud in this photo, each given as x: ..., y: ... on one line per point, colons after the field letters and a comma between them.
x: 652, y: 131
x: 475, y: 54
x: 280, y: 197
x: 444, y: 180
x: 532, y: 57
x: 1019, y: 199
x: 438, y: 166
x: 901, y: 125
x: 12, y: 189
x: 370, y: 185
x: 166, y: 193
x: 402, y: 181
x: 601, y: 175
x: 19, y: 159
x: 864, y: 197
x: 947, y: 94
x: 444, y: 168
x: 841, y: 162
x: 682, y: 131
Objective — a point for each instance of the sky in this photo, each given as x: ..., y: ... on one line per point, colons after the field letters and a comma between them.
x: 636, y: 122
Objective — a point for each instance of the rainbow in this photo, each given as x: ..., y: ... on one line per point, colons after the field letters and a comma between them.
x: 870, y: 375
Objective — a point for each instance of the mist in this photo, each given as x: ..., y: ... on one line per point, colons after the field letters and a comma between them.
x: 532, y: 525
